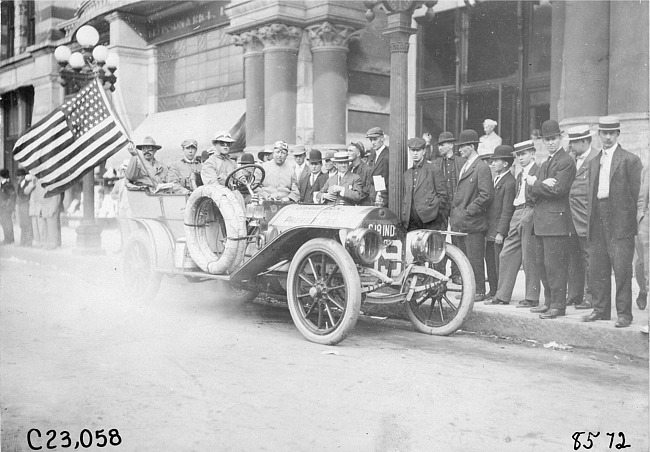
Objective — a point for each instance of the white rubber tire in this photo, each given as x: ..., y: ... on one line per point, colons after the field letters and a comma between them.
x: 230, y: 207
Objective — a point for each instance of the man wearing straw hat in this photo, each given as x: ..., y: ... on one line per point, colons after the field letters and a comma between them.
x: 344, y: 187
x: 552, y: 217
x: 580, y: 149
x: 615, y: 179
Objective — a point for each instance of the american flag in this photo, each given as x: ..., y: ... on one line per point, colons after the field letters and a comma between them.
x: 71, y: 140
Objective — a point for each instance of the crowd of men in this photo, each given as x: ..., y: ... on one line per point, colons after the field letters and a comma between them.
x: 570, y: 222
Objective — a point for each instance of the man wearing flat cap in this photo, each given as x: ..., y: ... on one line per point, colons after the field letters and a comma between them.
x: 155, y: 171
x: 615, y: 179
x: 215, y: 170
x: 280, y: 180
x: 580, y: 149
x: 356, y: 151
x: 489, y: 141
x: 184, y: 171
x: 425, y: 194
x: 473, y: 196
x: 378, y: 161
x: 552, y: 217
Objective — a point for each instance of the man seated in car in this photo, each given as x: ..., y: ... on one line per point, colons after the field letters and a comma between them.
x: 280, y: 179
x: 219, y: 165
x: 153, y: 172
x: 184, y: 171
x: 344, y: 187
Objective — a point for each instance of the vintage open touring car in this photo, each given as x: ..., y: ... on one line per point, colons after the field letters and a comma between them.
x: 325, y: 259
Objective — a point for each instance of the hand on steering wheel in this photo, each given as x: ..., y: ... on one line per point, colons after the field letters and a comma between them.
x: 246, y: 178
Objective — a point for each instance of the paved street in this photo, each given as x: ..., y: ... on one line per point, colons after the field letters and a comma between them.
x: 193, y: 371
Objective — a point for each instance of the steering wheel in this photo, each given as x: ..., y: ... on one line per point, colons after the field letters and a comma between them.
x: 246, y: 178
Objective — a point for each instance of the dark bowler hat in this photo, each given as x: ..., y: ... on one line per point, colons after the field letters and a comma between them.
x: 4, y: 172
x: 527, y: 145
x: 261, y: 154
x: 609, y: 123
x: 315, y: 156
x: 247, y: 159
x: 375, y: 132
x: 446, y: 137
x: 416, y: 143
x: 503, y: 151
x: 579, y: 133
x: 467, y: 136
x: 148, y: 141
x: 550, y: 129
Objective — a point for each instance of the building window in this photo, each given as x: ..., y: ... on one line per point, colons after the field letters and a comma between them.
x: 17, y: 107
x: 7, y: 15
x: 31, y: 23
x: 198, y: 70
x: 438, y: 51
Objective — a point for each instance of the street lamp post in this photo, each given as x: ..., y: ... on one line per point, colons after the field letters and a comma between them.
x: 398, y: 30
x: 77, y: 69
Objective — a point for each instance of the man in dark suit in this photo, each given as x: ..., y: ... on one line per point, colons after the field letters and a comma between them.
x: 425, y: 194
x: 449, y: 164
x: 357, y: 151
x: 521, y: 246
x: 343, y: 188
x: 314, y: 181
x: 580, y: 149
x: 378, y: 162
x: 615, y: 179
x: 552, y: 217
x: 499, y: 213
x: 473, y: 196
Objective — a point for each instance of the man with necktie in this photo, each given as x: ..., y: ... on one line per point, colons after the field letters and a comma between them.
x: 580, y: 149
x: 344, y: 187
x: 552, y: 217
x: 315, y: 180
x: 615, y: 179
x: 378, y: 161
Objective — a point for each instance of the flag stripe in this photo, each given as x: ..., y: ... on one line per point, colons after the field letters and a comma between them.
x: 102, y: 145
x: 94, y: 137
x: 50, y: 150
x: 28, y: 143
x: 29, y: 133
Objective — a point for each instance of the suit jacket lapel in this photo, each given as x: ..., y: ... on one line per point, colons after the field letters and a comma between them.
x: 469, y: 170
x: 616, y: 159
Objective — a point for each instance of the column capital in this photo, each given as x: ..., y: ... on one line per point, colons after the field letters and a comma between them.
x: 329, y: 35
x: 399, y: 42
x: 280, y: 36
x: 250, y: 41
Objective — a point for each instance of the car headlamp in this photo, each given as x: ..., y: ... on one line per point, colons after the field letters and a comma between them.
x: 428, y: 246
x: 364, y: 245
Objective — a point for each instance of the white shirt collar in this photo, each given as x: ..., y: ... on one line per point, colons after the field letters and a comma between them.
x: 610, y: 151
x: 585, y: 155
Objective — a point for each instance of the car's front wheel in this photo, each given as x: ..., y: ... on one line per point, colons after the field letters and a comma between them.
x: 324, y: 291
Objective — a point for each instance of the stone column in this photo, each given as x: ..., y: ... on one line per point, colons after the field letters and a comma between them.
x: 329, y: 52
x: 20, y: 23
x: 628, y: 74
x: 280, y: 77
x: 398, y: 30
x: 254, y: 88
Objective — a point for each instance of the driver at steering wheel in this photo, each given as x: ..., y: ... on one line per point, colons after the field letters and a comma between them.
x: 280, y: 182
x: 215, y: 170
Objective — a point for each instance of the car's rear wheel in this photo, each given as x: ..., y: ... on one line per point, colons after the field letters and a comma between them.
x: 141, y: 280
x: 324, y: 291
x: 440, y: 308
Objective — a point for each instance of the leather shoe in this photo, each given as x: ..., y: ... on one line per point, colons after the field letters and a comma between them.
x: 527, y: 304
x: 540, y: 309
x: 584, y: 305
x: 622, y: 323
x: 593, y: 317
x: 479, y: 297
x: 551, y: 314
x: 642, y: 301
x: 496, y: 301
x: 573, y: 301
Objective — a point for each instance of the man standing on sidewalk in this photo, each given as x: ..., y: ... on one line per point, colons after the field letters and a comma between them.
x: 473, y: 196
x: 552, y: 217
x: 615, y: 180
x: 581, y: 151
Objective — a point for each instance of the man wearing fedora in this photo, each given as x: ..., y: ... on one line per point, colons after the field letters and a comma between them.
x: 499, y: 213
x: 184, y: 171
x: 473, y: 196
x: 280, y: 179
x: 615, y: 179
x: 343, y: 188
x: 315, y: 180
x: 378, y: 161
x: 356, y: 151
x: 425, y: 194
x: 521, y: 246
x: 580, y: 149
x: 215, y: 170
x: 301, y: 168
x: 156, y: 171
x: 552, y: 217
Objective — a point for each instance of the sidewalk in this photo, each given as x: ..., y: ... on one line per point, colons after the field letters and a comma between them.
x: 500, y: 320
